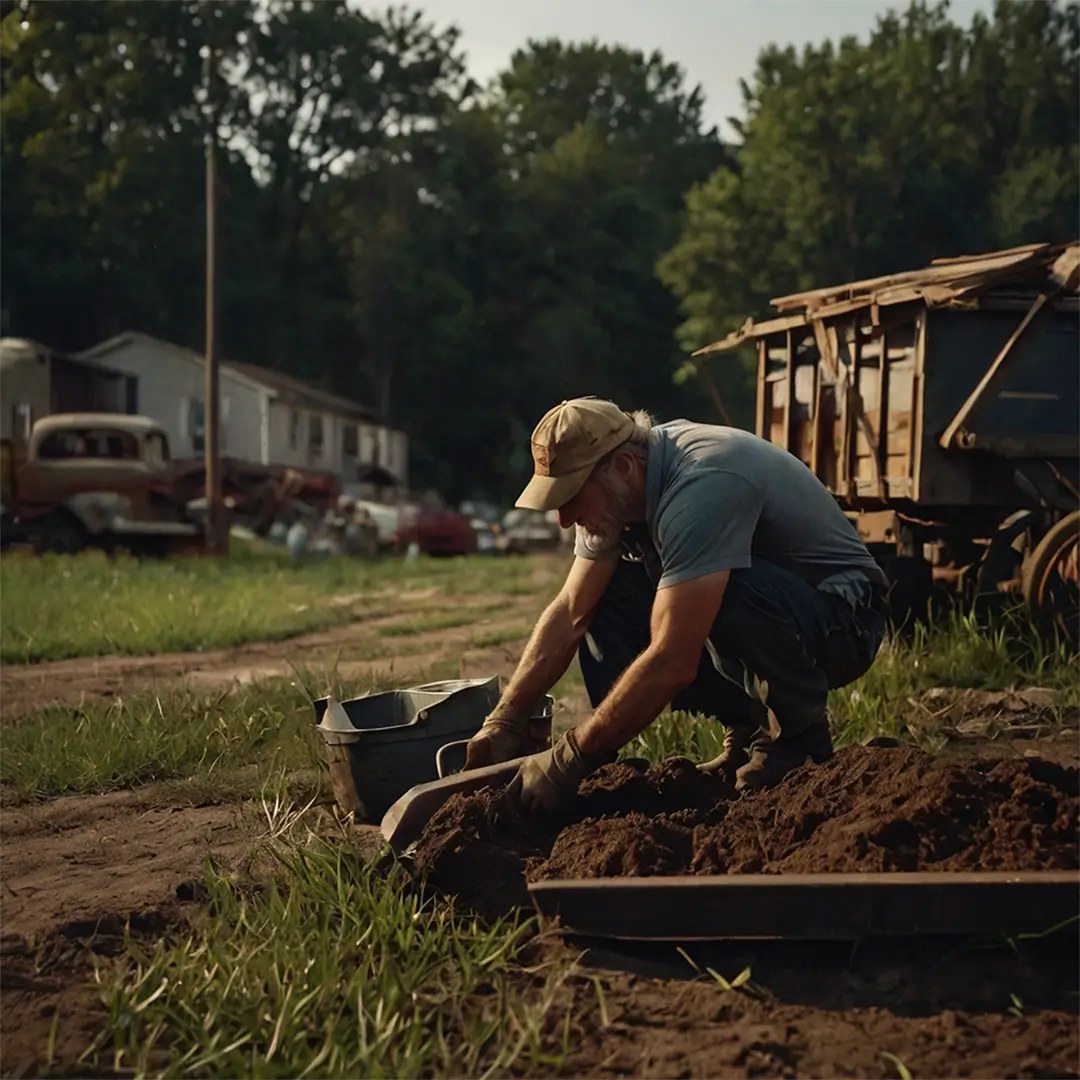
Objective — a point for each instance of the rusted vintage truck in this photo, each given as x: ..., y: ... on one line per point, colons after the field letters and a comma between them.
x: 107, y: 480
x: 97, y: 480
x: 942, y: 408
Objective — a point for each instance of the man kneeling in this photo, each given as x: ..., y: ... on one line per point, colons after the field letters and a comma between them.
x: 709, y: 563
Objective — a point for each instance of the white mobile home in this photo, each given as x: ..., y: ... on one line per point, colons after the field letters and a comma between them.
x: 266, y: 416
x: 37, y: 381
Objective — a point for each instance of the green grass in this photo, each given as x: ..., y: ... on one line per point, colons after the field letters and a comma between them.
x: 443, y: 620
x: 336, y: 969
x: 324, y: 965
x: 226, y: 741
x: 956, y: 652
x: 184, y: 734
x: 87, y: 605
x: 490, y: 639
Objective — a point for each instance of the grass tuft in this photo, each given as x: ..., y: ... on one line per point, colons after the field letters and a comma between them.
x: 955, y: 652
x: 209, y: 739
x: 345, y: 971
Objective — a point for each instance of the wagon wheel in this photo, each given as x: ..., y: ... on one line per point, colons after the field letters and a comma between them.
x: 1052, y: 582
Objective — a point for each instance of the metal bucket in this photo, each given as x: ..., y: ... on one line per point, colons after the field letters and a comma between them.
x: 391, y: 739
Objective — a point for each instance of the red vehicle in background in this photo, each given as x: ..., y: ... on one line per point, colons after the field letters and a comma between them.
x: 433, y: 527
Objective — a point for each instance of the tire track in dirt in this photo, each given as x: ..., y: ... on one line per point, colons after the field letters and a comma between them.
x: 28, y: 688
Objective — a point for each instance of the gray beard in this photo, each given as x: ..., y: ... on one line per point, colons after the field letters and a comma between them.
x: 607, y: 534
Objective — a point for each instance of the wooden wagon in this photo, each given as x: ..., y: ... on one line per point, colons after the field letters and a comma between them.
x: 942, y: 408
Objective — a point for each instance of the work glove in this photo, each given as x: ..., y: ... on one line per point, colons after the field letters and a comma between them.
x: 549, y: 780
x: 507, y: 737
x: 498, y: 740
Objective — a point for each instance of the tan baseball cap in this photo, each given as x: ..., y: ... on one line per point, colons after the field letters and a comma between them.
x: 567, y: 444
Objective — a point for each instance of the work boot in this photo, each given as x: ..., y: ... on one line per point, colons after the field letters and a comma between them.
x: 772, y: 759
x: 736, y: 754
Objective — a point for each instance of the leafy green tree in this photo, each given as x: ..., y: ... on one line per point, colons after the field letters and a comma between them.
x: 861, y: 159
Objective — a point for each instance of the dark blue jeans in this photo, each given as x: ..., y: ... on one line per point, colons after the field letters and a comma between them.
x: 771, y: 624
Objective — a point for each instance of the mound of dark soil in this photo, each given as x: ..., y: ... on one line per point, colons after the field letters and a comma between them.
x: 865, y: 810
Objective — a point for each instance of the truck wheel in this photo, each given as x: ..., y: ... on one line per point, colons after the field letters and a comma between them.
x: 1052, y: 582
x: 62, y: 534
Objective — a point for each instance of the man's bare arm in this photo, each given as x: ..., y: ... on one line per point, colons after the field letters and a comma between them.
x: 682, y: 617
x: 556, y: 635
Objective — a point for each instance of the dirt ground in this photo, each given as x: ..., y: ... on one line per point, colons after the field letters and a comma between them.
x: 867, y: 811
x: 25, y: 688
x: 75, y: 871
x: 80, y: 872
x: 939, y: 1007
x: 814, y: 1010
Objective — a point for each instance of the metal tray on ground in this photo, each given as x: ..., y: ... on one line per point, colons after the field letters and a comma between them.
x: 812, y: 906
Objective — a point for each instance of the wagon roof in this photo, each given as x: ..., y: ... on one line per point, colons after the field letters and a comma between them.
x: 943, y: 282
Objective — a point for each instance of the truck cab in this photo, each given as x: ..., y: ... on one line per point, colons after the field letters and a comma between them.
x: 95, y: 479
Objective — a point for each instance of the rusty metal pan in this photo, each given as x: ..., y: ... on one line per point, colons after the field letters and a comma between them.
x: 812, y: 906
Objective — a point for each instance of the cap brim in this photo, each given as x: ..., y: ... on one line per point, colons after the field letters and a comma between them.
x: 552, y: 492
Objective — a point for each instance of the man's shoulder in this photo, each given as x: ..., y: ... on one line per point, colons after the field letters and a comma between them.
x: 698, y: 464
x: 686, y: 447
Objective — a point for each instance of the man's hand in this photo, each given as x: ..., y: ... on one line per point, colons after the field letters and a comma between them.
x: 510, y: 733
x: 498, y: 740
x: 549, y: 781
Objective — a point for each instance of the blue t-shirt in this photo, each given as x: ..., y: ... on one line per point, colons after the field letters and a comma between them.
x: 716, y: 497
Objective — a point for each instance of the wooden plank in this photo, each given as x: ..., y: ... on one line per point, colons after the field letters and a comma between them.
x: 883, y: 414
x: 854, y: 409
x: 815, y: 421
x: 750, y: 331
x: 918, y: 412
x: 952, y: 260
x: 954, y: 271
x: 789, y: 394
x: 811, y: 906
x: 762, y: 389
x: 967, y: 412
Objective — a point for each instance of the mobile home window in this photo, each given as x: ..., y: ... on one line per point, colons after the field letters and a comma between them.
x: 196, y: 424
x: 350, y: 441
x: 315, y: 435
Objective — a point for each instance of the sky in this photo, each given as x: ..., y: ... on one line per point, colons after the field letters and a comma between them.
x: 716, y: 42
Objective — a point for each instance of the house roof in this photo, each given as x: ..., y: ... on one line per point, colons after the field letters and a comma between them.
x: 301, y: 393
x: 945, y: 281
x: 285, y: 387
x: 20, y: 350
x: 134, y: 337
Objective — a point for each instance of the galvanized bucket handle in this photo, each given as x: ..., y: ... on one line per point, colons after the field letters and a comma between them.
x: 441, y: 766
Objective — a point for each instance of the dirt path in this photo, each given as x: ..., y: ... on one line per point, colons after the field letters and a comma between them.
x: 25, y: 688
x: 80, y: 874
x: 75, y: 871
x: 75, y: 860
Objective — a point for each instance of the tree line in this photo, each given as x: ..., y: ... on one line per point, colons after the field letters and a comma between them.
x: 460, y: 256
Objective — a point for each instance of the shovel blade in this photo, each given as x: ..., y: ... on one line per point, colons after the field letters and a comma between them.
x: 403, y: 823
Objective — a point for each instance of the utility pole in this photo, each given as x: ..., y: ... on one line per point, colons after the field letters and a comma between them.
x: 216, y: 536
